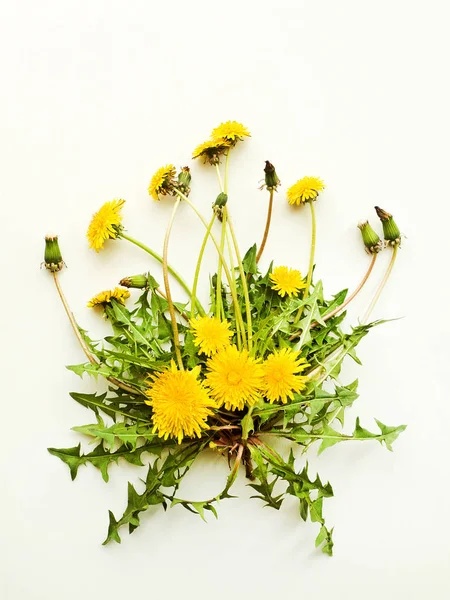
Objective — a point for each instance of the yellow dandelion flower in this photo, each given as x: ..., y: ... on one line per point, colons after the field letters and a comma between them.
x: 281, y: 375
x: 105, y: 224
x: 210, y: 334
x: 103, y: 298
x: 211, y: 150
x: 162, y: 182
x: 234, y: 378
x: 287, y: 281
x: 305, y: 190
x: 232, y: 131
x: 180, y: 403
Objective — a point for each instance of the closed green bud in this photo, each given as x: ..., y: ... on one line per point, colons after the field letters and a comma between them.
x: 370, y: 238
x: 52, y: 257
x: 135, y: 281
x: 184, y: 180
x: 221, y: 200
x: 219, y: 205
x: 391, y: 231
x: 271, y: 177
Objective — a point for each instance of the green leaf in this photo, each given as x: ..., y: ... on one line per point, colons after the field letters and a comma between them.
x: 100, y: 457
x: 127, y: 434
x: 316, y: 510
x: 330, y: 437
x: 123, y: 317
x: 71, y: 456
x: 249, y: 261
x: 264, y: 487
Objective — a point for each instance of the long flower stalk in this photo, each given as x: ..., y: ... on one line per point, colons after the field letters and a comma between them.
x: 381, y: 286
x: 199, y: 263
x: 312, y: 253
x: 173, y: 318
x: 267, y: 228
x: 222, y: 258
x: 341, y: 307
x: 90, y: 357
x: 172, y: 271
x: 219, y: 304
x: 243, y: 280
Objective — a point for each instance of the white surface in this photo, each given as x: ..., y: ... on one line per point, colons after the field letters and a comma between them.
x: 97, y: 95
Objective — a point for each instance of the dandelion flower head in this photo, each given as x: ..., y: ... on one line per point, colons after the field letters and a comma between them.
x: 105, y: 224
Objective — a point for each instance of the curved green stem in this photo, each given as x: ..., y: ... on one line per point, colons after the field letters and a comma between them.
x: 266, y: 231
x: 347, y: 301
x: 382, y: 284
x: 240, y: 327
x: 227, y: 160
x: 83, y: 344
x: 312, y: 253
x: 199, y: 262
x: 219, y: 303
x: 222, y: 258
x: 172, y: 271
x: 248, y: 310
x: 173, y: 318
x: 219, y: 177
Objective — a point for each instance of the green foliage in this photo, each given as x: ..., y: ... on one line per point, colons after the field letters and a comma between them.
x: 101, y: 457
x: 140, y: 345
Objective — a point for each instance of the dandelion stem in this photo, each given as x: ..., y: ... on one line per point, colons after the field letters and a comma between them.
x: 240, y: 329
x: 219, y: 177
x: 227, y: 159
x: 311, y: 258
x: 266, y: 231
x: 222, y: 258
x: 83, y: 344
x: 219, y: 303
x: 347, y: 301
x: 243, y: 280
x: 312, y: 251
x: 382, y: 284
x: 172, y: 271
x: 173, y: 318
x: 199, y: 262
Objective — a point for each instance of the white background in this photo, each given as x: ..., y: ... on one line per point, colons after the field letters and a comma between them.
x: 95, y: 95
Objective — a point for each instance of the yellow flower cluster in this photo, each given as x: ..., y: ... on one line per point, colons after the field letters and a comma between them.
x: 223, y: 137
x: 162, y: 182
x: 287, y: 281
x: 305, y: 190
x: 105, y: 224
x: 210, y: 334
x: 103, y: 298
x: 181, y: 403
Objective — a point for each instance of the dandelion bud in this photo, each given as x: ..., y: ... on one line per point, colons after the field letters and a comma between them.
x: 370, y: 238
x: 221, y: 200
x: 391, y: 231
x: 271, y: 177
x: 184, y: 179
x: 135, y: 281
x: 219, y: 205
x: 52, y: 257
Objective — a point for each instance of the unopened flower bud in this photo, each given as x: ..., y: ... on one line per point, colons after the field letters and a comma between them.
x: 271, y: 177
x: 219, y: 205
x: 52, y: 257
x: 135, y: 281
x: 184, y: 180
x: 391, y: 231
x: 221, y: 200
x: 370, y: 238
